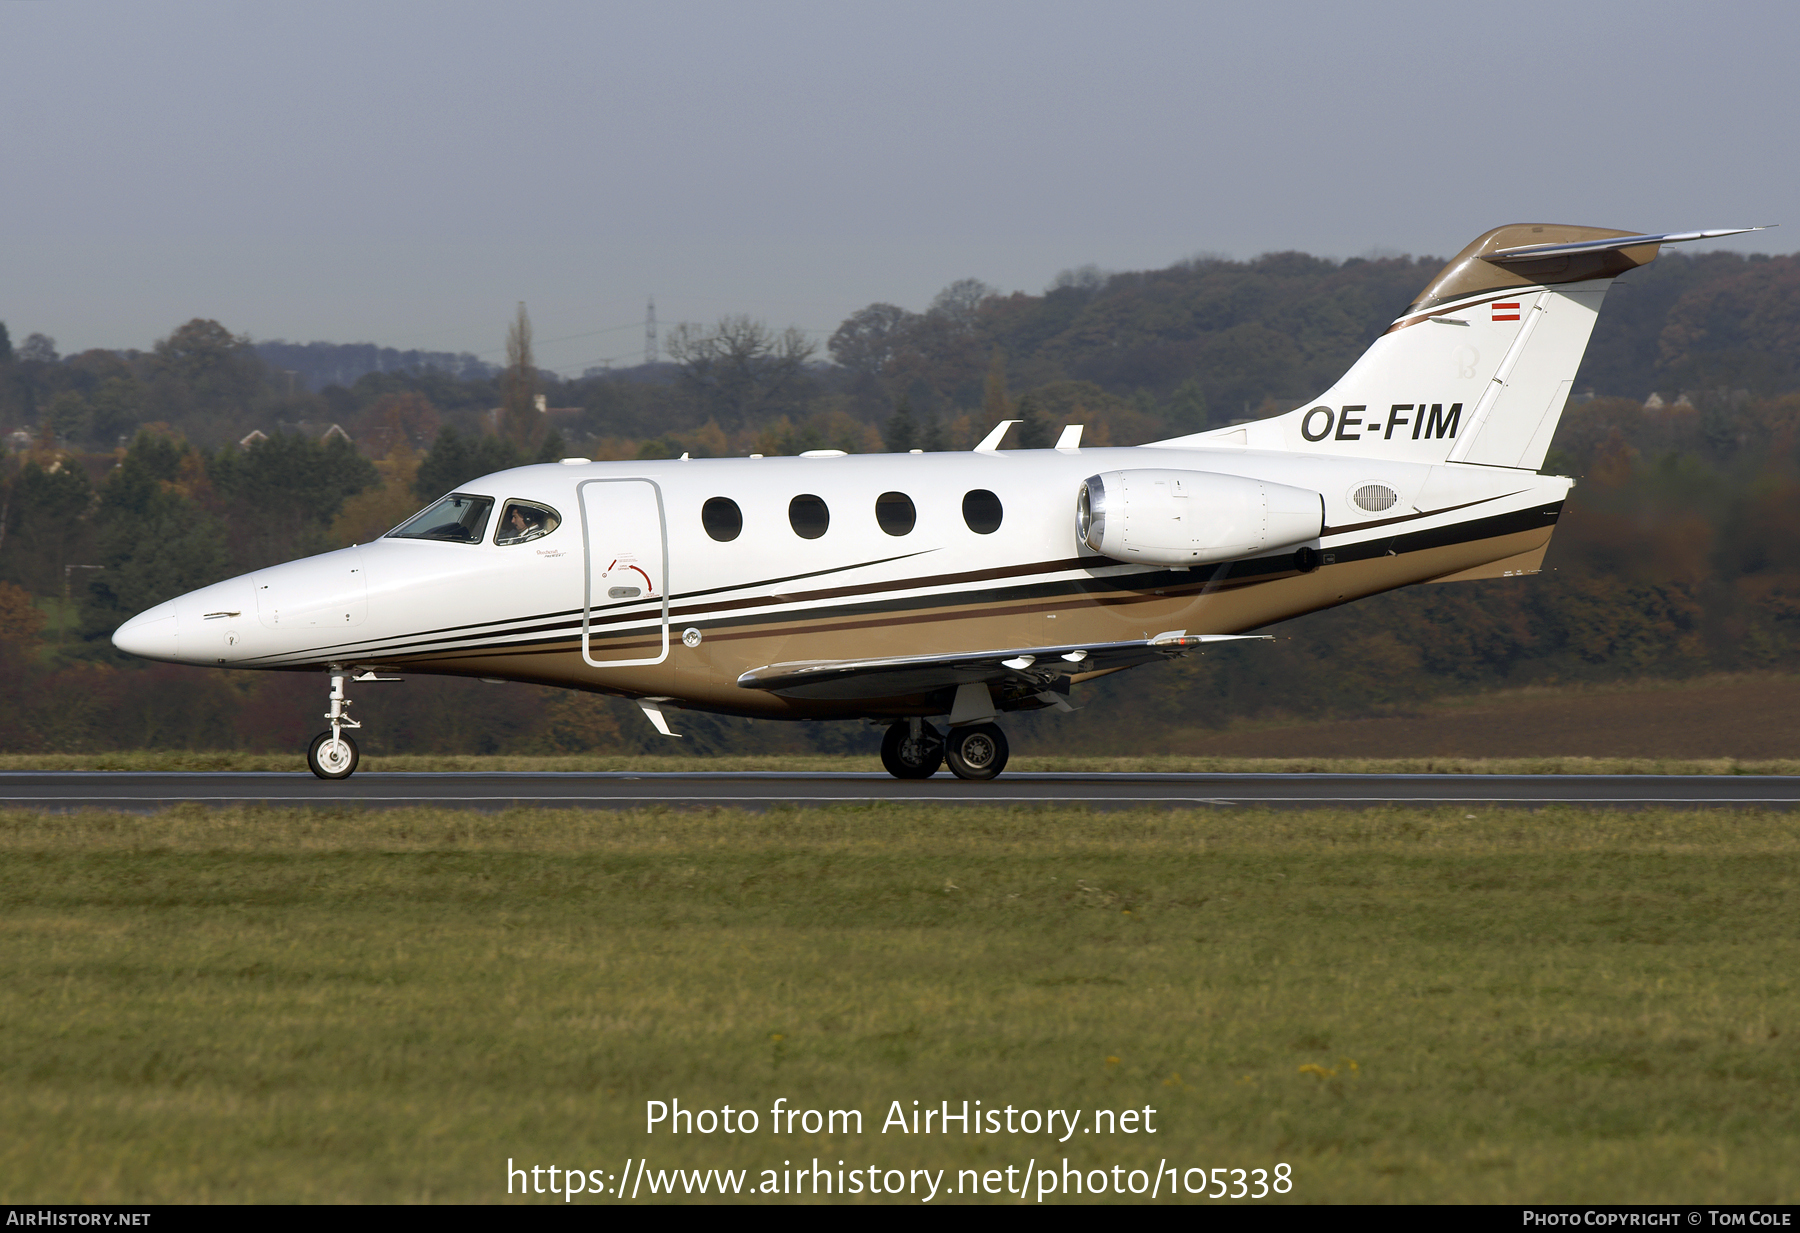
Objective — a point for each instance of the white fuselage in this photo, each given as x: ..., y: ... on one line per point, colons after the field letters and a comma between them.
x: 603, y: 601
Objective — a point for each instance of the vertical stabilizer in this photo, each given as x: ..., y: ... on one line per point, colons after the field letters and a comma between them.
x: 1478, y: 369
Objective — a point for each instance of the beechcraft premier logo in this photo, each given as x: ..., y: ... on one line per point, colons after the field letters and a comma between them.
x: 1506, y: 312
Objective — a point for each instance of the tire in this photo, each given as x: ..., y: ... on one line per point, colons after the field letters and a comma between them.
x: 330, y: 759
x: 977, y: 751
x: 906, y: 760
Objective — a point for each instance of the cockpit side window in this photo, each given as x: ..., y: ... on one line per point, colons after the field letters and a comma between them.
x: 523, y: 521
x: 457, y: 519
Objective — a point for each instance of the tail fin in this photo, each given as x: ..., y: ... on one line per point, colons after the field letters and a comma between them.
x: 1477, y: 370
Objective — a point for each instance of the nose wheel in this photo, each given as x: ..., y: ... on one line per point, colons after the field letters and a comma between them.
x: 332, y: 756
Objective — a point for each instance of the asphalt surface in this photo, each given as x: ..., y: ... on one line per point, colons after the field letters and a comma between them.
x: 760, y: 790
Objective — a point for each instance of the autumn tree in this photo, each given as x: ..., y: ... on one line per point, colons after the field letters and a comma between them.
x: 960, y: 302
x: 865, y: 343
x: 283, y: 492
x: 208, y: 378
x: 405, y: 420
x: 741, y: 369
x: 938, y: 355
x: 20, y: 617
x: 38, y: 349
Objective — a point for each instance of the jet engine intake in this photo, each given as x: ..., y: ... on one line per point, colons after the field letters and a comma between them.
x: 1169, y: 517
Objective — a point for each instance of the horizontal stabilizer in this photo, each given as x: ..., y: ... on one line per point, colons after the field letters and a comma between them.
x: 912, y: 674
x: 1540, y: 252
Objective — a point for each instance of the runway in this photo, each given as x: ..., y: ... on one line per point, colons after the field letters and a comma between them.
x: 763, y: 790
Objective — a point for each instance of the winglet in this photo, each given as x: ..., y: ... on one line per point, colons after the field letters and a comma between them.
x: 991, y: 442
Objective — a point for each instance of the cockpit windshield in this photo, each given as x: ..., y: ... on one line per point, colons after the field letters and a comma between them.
x: 523, y: 521
x: 457, y: 519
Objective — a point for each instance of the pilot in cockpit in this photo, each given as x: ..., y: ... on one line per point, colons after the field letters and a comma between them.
x: 522, y: 523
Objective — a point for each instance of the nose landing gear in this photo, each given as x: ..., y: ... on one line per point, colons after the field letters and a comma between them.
x: 333, y: 755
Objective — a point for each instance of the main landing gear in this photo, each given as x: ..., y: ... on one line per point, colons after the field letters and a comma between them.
x: 333, y: 755
x: 976, y: 751
x: 912, y: 749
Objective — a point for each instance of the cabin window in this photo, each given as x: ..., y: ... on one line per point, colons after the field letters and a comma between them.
x: 722, y: 518
x: 895, y: 512
x: 808, y: 516
x: 457, y: 519
x: 981, y: 510
x: 523, y: 521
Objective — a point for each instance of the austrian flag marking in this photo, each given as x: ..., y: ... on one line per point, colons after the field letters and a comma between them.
x: 1506, y: 312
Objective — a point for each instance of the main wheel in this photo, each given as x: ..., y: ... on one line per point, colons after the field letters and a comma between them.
x: 977, y: 751
x: 906, y: 758
x: 332, y: 758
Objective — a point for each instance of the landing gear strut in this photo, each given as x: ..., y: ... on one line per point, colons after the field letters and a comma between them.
x: 333, y: 755
x: 912, y: 749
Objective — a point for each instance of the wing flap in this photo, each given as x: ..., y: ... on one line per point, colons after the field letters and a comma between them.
x: 839, y: 679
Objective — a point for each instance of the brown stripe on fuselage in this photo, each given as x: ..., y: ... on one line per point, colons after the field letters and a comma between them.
x: 1116, y: 588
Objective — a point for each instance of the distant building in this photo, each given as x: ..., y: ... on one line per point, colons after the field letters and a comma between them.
x: 552, y: 414
x: 251, y: 438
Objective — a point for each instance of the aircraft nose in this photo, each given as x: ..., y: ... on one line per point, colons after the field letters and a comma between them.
x: 150, y: 635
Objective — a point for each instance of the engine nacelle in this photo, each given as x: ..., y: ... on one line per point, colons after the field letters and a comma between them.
x: 1192, y: 517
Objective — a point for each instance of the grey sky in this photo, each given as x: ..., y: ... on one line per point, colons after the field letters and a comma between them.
x: 403, y: 173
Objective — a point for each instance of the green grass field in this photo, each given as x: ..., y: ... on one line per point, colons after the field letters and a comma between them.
x: 1401, y: 1005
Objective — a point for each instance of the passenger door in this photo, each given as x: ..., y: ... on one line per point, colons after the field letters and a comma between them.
x: 625, y: 604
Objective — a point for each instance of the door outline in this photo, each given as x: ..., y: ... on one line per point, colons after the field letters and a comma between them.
x: 587, y: 572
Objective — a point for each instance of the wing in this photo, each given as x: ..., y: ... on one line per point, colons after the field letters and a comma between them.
x: 912, y: 674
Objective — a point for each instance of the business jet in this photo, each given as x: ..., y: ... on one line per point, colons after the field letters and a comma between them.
x: 958, y: 587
